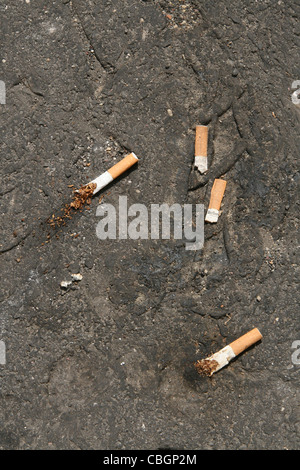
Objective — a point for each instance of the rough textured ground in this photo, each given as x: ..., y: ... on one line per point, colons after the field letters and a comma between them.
x: 108, y: 363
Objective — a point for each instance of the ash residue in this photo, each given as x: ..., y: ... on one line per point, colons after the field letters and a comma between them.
x: 206, y: 367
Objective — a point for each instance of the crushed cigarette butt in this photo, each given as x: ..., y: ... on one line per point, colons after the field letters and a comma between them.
x: 201, y: 139
x: 216, y: 196
x: 210, y: 365
x: 76, y: 277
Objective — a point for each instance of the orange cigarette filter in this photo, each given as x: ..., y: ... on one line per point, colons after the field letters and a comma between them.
x: 245, y: 341
x: 123, y: 165
x: 217, y: 194
x: 201, y: 140
x: 216, y: 197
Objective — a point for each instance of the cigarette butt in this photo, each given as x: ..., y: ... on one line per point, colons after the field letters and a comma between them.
x: 216, y: 196
x: 201, y: 139
x: 221, y: 358
x: 113, y: 172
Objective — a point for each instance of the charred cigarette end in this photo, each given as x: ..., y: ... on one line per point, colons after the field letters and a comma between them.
x: 115, y: 171
x: 206, y: 367
x: 217, y: 194
x: 210, y: 365
x: 83, y: 195
x: 201, y: 140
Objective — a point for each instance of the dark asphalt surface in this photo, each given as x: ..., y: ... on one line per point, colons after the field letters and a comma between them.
x: 109, y: 362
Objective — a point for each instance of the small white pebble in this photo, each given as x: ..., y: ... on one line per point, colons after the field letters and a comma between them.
x: 65, y: 284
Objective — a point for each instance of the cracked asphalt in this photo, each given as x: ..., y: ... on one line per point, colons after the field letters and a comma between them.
x: 109, y: 363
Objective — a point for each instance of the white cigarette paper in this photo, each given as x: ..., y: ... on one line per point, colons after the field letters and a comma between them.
x: 115, y: 171
x: 221, y: 358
